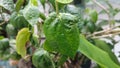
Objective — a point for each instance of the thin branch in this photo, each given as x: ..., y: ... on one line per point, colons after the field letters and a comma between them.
x: 2, y: 23
x: 104, y: 36
x: 105, y: 33
x: 105, y: 9
x: 98, y: 33
x: 101, y: 6
x: 27, y: 57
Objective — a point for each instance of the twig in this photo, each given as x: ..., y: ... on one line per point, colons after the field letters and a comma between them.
x: 27, y: 57
x: 97, y: 33
x: 65, y: 65
x: 104, y: 36
x: 2, y: 23
x: 101, y: 6
x: 105, y: 33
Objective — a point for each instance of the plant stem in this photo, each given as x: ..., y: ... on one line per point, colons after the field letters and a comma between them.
x: 81, y: 60
x: 39, y: 28
x: 56, y: 5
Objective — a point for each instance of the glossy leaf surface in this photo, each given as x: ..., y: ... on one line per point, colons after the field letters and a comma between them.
x: 62, y: 34
x: 96, y: 54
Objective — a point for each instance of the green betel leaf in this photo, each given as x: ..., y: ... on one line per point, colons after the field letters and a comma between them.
x: 7, y: 4
x: 96, y: 54
x: 11, y: 32
x: 4, y: 49
x: 31, y: 14
x: 18, y: 21
x: 4, y: 44
x: 21, y: 39
x: 19, y: 4
x: 41, y: 59
x: 62, y: 34
x: 64, y: 1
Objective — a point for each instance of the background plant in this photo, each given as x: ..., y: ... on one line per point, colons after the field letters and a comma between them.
x: 72, y: 33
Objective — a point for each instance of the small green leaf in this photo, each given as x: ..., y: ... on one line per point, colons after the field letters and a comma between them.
x: 15, y: 56
x: 19, y: 4
x: 64, y: 1
x: 4, y: 49
x: 42, y: 16
x: 4, y: 44
x: 18, y: 21
x: 11, y: 31
x: 91, y: 26
x: 35, y: 40
x: 96, y: 54
x: 7, y: 4
x: 31, y: 14
x: 21, y: 39
x: 41, y: 59
x: 93, y: 15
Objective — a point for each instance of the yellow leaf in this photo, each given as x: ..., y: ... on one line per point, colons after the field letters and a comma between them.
x: 21, y: 39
